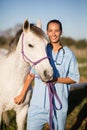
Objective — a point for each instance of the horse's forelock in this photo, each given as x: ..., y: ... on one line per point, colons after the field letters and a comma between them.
x: 38, y: 31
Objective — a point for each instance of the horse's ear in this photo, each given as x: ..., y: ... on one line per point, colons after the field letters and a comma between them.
x: 39, y: 23
x: 26, y: 26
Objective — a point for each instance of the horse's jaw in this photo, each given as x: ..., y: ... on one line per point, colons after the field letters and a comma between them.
x: 23, y: 67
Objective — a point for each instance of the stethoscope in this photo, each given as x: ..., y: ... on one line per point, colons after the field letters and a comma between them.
x: 59, y: 56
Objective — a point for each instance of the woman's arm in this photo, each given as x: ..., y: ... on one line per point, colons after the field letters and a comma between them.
x: 66, y: 80
x: 20, y: 98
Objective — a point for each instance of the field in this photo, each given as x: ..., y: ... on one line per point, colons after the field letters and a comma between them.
x: 81, y: 55
x: 77, y: 112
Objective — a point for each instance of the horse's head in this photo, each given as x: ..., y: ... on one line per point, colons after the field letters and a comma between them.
x: 33, y: 42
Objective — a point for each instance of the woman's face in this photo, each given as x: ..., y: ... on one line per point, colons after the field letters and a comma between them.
x: 54, y: 32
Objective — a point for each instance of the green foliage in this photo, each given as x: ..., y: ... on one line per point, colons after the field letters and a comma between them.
x: 80, y: 44
x: 3, y: 41
x: 83, y: 71
x: 68, y: 41
x: 82, y: 59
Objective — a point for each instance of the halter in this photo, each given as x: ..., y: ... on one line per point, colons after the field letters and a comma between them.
x: 26, y: 59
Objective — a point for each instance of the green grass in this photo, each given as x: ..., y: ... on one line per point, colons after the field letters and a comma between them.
x: 77, y: 112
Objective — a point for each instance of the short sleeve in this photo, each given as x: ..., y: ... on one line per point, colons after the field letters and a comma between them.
x: 73, y: 69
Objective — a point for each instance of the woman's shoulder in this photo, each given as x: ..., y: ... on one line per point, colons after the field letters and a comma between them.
x: 68, y: 50
x: 69, y: 53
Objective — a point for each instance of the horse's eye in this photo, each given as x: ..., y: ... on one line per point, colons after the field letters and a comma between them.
x: 30, y: 45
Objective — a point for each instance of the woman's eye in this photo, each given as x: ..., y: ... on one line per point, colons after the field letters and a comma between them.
x: 30, y: 45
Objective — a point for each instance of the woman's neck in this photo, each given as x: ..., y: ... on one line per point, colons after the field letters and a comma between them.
x: 56, y: 47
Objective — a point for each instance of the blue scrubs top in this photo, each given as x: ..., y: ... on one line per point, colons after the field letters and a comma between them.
x: 64, y: 65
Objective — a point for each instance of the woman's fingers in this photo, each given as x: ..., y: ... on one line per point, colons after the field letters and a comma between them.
x: 18, y: 100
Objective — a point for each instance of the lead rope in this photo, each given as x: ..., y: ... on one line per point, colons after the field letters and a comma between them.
x: 53, y: 107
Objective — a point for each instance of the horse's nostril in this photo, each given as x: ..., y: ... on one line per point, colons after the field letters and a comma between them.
x: 45, y: 73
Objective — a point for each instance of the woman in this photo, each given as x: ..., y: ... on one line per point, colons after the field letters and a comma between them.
x: 66, y: 72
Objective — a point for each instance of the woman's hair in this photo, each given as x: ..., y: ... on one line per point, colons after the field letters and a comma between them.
x: 55, y: 21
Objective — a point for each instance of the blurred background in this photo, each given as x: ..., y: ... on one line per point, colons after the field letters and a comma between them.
x: 73, y: 15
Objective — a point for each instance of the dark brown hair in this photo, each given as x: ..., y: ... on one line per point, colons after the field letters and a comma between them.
x: 55, y: 21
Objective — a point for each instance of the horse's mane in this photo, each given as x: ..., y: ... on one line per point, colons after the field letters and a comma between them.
x: 37, y: 31
x: 13, y: 43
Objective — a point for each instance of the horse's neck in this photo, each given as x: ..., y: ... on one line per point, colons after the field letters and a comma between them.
x: 22, y: 66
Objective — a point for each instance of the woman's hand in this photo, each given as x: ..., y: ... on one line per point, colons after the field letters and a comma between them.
x: 19, y: 99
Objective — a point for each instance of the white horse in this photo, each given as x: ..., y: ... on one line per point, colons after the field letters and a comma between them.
x: 30, y: 52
